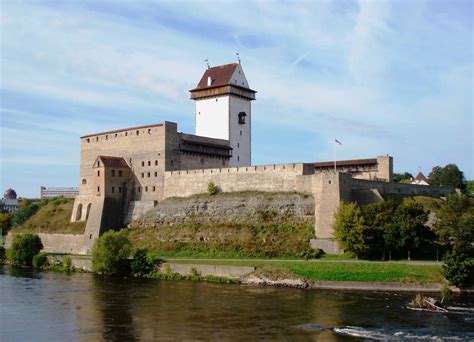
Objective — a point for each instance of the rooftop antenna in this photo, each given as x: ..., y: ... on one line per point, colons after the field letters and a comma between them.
x: 238, y: 57
x: 207, y: 63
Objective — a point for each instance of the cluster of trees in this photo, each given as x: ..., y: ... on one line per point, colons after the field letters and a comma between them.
x: 400, y: 226
x: 382, y: 228
x: 449, y: 175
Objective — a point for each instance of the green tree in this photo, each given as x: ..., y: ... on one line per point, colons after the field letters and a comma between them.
x: 349, y: 228
x: 382, y: 234
x: 455, y: 229
x: 450, y: 175
x: 24, y: 248
x: 110, y: 253
x: 24, y: 213
x: 470, y: 188
x: 411, y: 217
x: 398, y: 177
x: 5, y: 222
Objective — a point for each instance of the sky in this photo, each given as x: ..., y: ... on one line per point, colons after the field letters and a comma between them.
x: 383, y: 77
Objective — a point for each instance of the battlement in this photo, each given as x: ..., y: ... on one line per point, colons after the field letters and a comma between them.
x: 290, y: 168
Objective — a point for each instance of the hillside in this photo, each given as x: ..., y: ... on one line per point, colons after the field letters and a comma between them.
x: 54, y: 217
x: 243, y: 224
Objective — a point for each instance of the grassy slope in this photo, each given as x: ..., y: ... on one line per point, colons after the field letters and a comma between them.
x: 339, y: 271
x: 54, y: 217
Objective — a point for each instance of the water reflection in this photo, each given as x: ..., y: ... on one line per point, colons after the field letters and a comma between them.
x: 56, y: 306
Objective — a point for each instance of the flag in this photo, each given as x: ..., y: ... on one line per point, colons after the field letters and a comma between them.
x: 340, y: 143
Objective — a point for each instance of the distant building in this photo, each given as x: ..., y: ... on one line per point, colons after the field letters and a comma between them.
x: 420, y: 179
x: 70, y: 192
x: 9, y: 201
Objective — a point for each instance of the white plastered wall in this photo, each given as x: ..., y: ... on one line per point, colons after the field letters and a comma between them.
x: 212, y: 118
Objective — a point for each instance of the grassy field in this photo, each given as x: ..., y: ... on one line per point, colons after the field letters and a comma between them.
x: 338, y: 271
x: 54, y: 217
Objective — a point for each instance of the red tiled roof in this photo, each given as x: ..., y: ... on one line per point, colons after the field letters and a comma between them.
x: 421, y: 177
x: 113, y: 161
x: 221, y: 75
x: 347, y: 163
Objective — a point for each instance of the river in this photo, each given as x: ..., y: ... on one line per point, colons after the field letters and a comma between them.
x: 51, y: 306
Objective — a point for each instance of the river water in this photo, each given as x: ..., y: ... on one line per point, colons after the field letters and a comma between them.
x: 51, y: 306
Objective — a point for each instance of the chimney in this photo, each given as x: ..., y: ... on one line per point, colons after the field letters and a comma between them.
x: 209, y: 81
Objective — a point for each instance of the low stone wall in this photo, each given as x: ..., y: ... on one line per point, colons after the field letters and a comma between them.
x: 57, y: 243
x: 232, y: 272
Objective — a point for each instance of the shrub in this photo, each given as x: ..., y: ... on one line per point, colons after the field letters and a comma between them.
x: 67, y: 264
x: 311, y: 253
x: 23, y: 213
x: 110, y: 253
x: 211, y: 189
x: 39, y: 260
x: 143, y: 263
x: 3, y: 256
x: 458, y: 269
x: 24, y: 248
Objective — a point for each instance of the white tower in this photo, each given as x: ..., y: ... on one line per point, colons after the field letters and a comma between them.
x: 223, y: 109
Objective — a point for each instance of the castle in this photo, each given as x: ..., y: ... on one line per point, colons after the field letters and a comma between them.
x: 125, y: 172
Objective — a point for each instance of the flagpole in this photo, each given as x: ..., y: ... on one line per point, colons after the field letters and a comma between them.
x: 334, y: 142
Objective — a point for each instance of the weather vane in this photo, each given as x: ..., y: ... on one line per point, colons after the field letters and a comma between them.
x: 207, y: 63
x: 238, y: 57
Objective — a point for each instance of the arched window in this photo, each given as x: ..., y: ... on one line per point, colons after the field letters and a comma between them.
x: 84, y: 181
x: 79, y: 212
x: 88, y: 210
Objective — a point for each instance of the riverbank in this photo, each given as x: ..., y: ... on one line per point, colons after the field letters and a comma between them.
x: 317, y: 274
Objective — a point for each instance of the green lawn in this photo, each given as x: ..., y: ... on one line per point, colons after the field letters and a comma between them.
x: 338, y: 271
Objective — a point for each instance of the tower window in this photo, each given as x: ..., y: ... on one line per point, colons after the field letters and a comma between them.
x: 156, y: 174
x: 148, y: 174
x: 113, y: 189
x: 138, y: 132
x: 242, y: 116
x: 154, y: 188
x: 146, y: 189
x: 113, y: 173
x: 139, y: 189
x: 120, y: 189
x: 217, y: 100
x: 120, y: 173
x: 98, y: 173
x: 143, y: 175
x: 238, y: 158
x: 149, y: 163
x: 98, y: 189
x: 143, y: 163
x: 240, y: 133
x: 156, y: 162
x: 238, y: 145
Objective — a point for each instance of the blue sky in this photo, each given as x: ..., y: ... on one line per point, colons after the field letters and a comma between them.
x: 384, y: 77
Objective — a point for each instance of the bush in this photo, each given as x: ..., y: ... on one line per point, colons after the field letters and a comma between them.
x: 143, y: 263
x: 458, y: 269
x: 311, y: 253
x: 3, y: 256
x: 67, y: 264
x: 110, y: 253
x: 211, y: 189
x: 24, y: 213
x: 24, y: 248
x: 39, y: 260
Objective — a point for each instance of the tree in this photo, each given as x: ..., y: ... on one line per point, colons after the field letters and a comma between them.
x: 24, y: 248
x: 5, y: 222
x: 110, y: 253
x: 455, y: 229
x: 470, y: 188
x: 382, y: 233
x: 450, y: 175
x: 349, y: 228
x: 411, y: 217
x: 24, y: 213
x: 398, y: 177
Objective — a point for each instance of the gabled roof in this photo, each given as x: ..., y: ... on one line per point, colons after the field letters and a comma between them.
x: 108, y: 161
x: 421, y: 177
x: 221, y: 75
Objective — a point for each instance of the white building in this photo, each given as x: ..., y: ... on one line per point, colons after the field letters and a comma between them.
x: 223, y: 109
